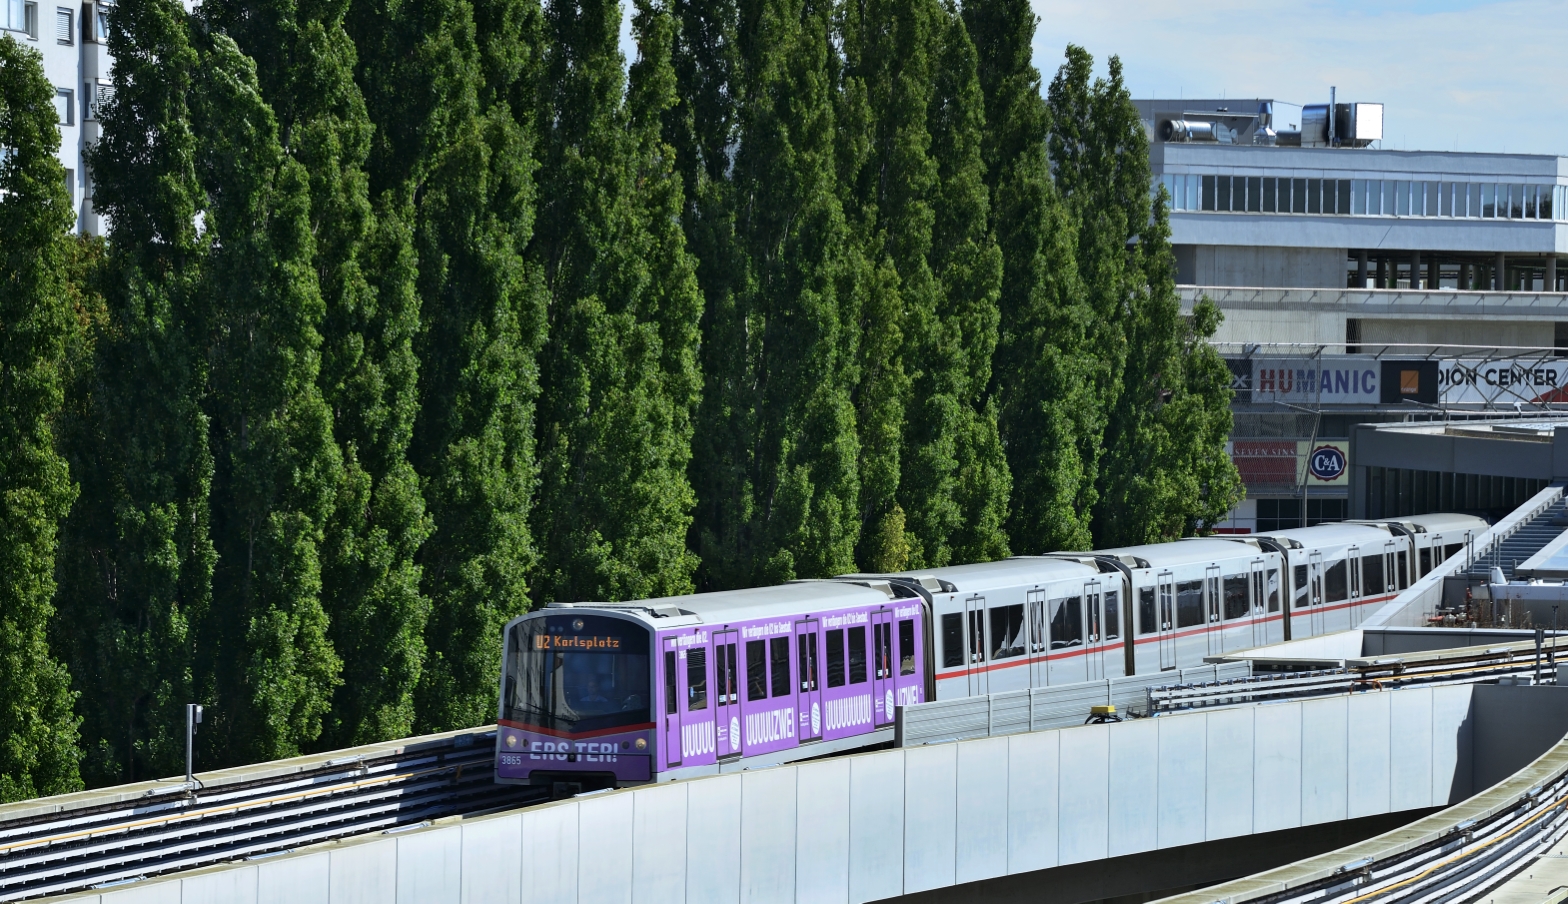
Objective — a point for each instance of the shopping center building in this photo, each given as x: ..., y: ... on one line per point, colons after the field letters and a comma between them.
x: 1360, y: 285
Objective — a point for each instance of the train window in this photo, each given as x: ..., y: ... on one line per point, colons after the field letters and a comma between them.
x: 1113, y: 615
x: 1452, y: 550
x: 836, y: 657
x: 808, y: 661
x: 1067, y: 622
x: 857, y: 655
x: 1426, y: 562
x: 1147, y: 622
x: 756, y: 670
x: 1273, y: 589
x: 1189, y: 604
x: 906, y: 647
x: 1335, y: 584
x: 1372, y: 575
x: 1403, y: 566
x: 952, y: 640
x: 696, y: 679
x: 670, y: 697
x: 780, y: 666
x: 1007, y: 631
x: 1236, y: 605
x: 882, y: 641
x: 977, y: 633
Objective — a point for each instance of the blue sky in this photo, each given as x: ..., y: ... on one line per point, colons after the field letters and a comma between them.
x: 1471, y: 76
x: 1452, y: 74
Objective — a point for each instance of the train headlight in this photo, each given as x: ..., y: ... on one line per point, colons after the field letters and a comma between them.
x: 642, y: 743
x: 511, y: 740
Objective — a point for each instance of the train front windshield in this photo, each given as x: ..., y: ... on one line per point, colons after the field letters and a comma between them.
x: 572, y: 674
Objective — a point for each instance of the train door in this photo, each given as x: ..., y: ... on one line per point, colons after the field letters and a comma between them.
x: 726, y: 696
x: 1353, y: 567
x: 1258, y: 589
x: 884, y: 669
x: 1214, y: 629
x: 808, y: 694
x: 1034, y: 604
x: 974, y: 609
x: 674, y: 694
x: 1094, y: 628
x: 1167, y: 602
x: 1389, y: 553
x: 1315, y: 592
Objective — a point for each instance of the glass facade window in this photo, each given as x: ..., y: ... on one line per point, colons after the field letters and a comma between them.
x: 1361, y: 197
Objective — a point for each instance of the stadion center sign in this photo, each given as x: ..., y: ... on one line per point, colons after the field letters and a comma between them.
x: 1367, y: 380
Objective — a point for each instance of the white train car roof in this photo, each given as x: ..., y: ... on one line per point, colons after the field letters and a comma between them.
x: 729, y: 606
x: 985, y: 576
x: 1181, y: 552
x: 1448, y: 522
x: 1339, y: 534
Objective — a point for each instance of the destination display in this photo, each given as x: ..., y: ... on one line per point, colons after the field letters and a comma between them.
x: 576, y: 643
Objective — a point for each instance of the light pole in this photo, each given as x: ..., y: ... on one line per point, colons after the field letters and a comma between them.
x: 192, y: 719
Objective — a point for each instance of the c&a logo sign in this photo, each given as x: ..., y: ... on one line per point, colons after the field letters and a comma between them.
x: 1327, y: 463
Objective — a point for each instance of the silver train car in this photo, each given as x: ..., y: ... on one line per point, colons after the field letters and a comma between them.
x: 649, y: 690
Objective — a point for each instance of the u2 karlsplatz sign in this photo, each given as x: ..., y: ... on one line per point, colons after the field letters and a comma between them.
x: 1327, y: 463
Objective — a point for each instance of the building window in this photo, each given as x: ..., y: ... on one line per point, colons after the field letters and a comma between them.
x: 64, y: 106
x: 70, y: 185
x: 63, y: 32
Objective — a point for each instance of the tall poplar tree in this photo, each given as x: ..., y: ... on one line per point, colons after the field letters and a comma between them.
x: 364, y: 267
x: 968, y: 266
x: 777, y: 488
x: 38, y: 754
x: 1149, y: 482
x: 457, y: 157
x: 278, y: 469
x: 137, y: 558
x: 920, y: 191
x: 1050, y: 417
x: 619, y: 375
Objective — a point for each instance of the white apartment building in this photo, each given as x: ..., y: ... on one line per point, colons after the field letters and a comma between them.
x: 73, y: 41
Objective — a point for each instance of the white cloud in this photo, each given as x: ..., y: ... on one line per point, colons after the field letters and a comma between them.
x: 1472, y: 76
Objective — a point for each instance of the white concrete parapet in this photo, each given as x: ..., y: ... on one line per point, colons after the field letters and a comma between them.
x: 875, y: 825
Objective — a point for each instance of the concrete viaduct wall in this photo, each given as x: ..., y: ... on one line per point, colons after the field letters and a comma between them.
x: 894, y: 822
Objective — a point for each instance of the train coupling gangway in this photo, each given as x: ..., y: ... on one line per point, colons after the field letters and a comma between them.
x: 99, y: 839
x: 1532, y: 662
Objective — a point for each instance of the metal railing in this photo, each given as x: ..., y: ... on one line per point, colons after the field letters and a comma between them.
x: 184, y: 826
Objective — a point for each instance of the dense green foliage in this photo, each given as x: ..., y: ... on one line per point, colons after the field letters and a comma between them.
x: 414, y: 314
x: 38, y: 728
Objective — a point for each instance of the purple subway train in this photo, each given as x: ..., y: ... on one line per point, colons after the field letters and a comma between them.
x: 605, y: 694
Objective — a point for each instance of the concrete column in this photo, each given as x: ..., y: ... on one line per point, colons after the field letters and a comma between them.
x: 1499, y: 266
x: 1361, y: 269
x: 1551, y: 274
x: 1382, y: 273
x: 1464, y: 278
x: 1434, y: 274
x: 1415, y: 270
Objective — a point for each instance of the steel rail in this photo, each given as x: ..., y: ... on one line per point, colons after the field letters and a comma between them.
x: 187, y: 827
